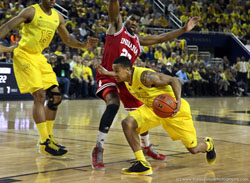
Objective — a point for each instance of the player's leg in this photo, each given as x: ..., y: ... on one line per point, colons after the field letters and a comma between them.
x: 141, y: 166
x: 30, y: 80
x: 147, y: 148
x: 111, y: 97
x: 46, y: 146
x: 182, y: 124
x: 50, y: 84
x: 205, y: 146
x: 130, y: 103
x: 54, y: 99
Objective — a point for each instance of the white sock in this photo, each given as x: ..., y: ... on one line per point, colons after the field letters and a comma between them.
x: 145, y: 140
x: 101, y: 138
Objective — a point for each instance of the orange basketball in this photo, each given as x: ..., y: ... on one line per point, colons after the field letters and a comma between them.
x: 164, y: 105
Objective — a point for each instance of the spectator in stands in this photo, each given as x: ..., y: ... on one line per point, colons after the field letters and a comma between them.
x: 83, y: 31
x: 169, y: 70
x: 185, y: 82
x: 100, y: 30
x: 206, y: 61
x: 76, y: 78
x: 72, y: 63
x: 62, y: 74
x: 232, y: 81
x: 172, y: 59
x: 88, y: 52
x: 68, y: 57
x: 226, y: 62
x: 197, y: 81
x: 58, y: 51
x: 223, y: 84
x: 87, y: 76
x: 178, y: 65
x: 209, y: 85
x: 150, y: 54
x: 93, y: 88
x: 172, y: 7
x: 241, y: 67
x: 9, y: 58
x: 158, y: 55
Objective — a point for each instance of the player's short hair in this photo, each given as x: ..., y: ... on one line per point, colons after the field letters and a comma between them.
x: 123, y: 61
x: 134, y: 12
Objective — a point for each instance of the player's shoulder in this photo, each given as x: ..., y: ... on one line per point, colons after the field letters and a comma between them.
x: 27, y: 13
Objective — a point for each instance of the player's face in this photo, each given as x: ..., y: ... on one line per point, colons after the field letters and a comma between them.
x: 49, y: 3
x: 132, y: 23
x: 121, y: 73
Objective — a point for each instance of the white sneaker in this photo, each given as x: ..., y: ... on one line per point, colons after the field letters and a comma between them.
x: 65, y: 96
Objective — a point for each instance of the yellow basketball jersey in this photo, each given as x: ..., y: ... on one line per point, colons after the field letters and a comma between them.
x: 143, y: 93
x: 38, y: 34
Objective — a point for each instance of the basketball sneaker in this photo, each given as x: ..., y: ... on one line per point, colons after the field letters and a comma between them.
x: 138, y: 168
x: 149, y: 151
x: 52, y: 139
x: 97, y: 157
x: 211, y: 154
x: 48, y: 147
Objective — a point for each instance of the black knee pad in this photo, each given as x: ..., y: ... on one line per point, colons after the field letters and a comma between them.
x: 51, y: 105
x: 108, y: 117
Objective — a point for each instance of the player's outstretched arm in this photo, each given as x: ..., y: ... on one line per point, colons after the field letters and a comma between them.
x: 154, y: 79
x: 70, y: 41
x: 103, y: 71
x: 114, y: 17
x: 25, y: 15
x: 7, y: 49
x: 155, y: 39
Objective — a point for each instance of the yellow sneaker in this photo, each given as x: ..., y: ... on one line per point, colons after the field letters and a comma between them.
x: 51, y: 137
x: 211, y: 154
x: 138, y: 168
x: 50, y: 148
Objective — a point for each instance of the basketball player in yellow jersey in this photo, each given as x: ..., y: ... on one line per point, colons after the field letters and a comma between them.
x: 145, y: 84
x: 33, y: 74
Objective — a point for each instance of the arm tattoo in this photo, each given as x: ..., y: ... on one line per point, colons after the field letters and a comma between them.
x: 148, y: 78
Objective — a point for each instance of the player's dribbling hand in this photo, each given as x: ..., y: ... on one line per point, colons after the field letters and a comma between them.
x: 178, y: 105
x: 191, y: 23
x: 91, y: 42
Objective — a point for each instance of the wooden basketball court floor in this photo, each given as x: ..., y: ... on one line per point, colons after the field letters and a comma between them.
x: 227, y: 120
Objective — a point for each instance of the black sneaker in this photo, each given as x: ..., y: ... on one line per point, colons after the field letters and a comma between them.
x: 138, y: 168
x: 50, y: 148
x: 52, y: 139
x: 211, y: 154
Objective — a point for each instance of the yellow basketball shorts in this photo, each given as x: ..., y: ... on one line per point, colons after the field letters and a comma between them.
x: 179, y: 127
x: 32, y: 72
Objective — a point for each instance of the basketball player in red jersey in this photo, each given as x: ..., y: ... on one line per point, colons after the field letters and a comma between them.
x: 121, y: 40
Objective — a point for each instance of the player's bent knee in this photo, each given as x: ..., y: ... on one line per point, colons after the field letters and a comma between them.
x: 58, y: 99
x: 129, y: 123
x: 39, y: 96
x: 54, y: 98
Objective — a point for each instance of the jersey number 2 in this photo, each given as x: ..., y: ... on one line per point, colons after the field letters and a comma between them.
x: 126, y: 53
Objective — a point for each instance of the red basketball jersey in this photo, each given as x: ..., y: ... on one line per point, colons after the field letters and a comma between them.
x: 121, y: 43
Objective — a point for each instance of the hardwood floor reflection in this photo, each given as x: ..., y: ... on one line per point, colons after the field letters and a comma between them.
x: 227, y: 120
